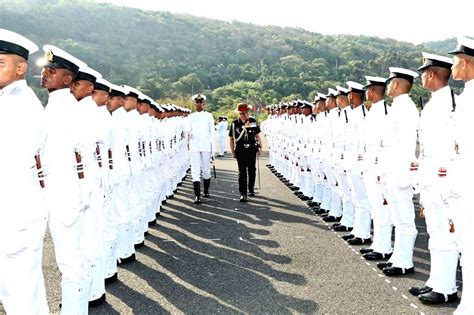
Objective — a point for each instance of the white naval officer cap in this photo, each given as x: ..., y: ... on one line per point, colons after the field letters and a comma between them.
x: 341, y: 90
x: 322, y: 97
x: 331, y: 93
x: 103, y: 85
x: 375, y: 81
x: 12, y: 43
x: 117, y: 90
x: 402, y: 73
x: 130, y: 91
x: 55, y: 57
x: 432, y: 60
x: 198, y: 97
x: 355, y: 87
x: 465, y: 46
x: 87, y: 74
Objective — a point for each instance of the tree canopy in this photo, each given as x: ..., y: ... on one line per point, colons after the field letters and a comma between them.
x: 171, y: 56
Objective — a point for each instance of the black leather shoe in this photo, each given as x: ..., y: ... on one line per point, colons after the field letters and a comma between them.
x: 336, y: 224
x: 251, y: 193
x: 243, y: 198
x: 126, y: 260
x: 376, y: 256
x: 438, y: 298
x: 347, y: 237
x: 97, y: 302
x: 342, y: 228
x: 365, y: 250
x: 396, y: 271
x: 359, y: 241
x: 111, y: 279
x: 304, y: 198
x: 420, y: 290
x: 312, y: 203
x: 206, y: 195
x: 330, y: 218
x: 139, y: 245
x: 319, y: 211
x: 294, y: 188
x: 197, y: 200
x: 382, y: 265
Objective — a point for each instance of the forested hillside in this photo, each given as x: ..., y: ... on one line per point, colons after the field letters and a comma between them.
x: 171, y: 56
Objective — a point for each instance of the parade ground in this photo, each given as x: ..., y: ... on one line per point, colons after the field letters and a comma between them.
x: 271, y: 255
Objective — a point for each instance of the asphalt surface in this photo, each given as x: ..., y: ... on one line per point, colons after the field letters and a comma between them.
x: 271, y: 255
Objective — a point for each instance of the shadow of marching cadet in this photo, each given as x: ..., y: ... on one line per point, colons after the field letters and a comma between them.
x: 236, y: 284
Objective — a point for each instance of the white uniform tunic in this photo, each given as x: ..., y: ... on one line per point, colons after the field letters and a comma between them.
x: 460, y: 174
x: 201, y: 144
x: 22, y: 215
x: 221, y: 129
x: 398, y: 152
x: 435, y: 134
x: 64, y: 200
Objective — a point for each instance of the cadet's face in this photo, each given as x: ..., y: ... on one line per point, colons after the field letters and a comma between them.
x: 81, y: 89
x: 425, y: 77
x: 100, y: 97
x: 114, y: 102
x: 9, y: 69
x: 457, y: 68
x: 199, y: 105
x: 55, y: 78
x: 130, y: 103
x: 392, y: 85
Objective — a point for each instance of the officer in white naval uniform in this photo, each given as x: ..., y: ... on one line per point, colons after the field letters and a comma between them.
x: 121, y: 204
x: 398, y: 152
x: 201, y: 146
x: 374, y: 128
x: 460, y: 171
x: 94, y: 218
x: 435, y: 134
x: 353, y: 151
x: 221, y: 129
x: 22, y: 218
x: 63, y: 167
x: 335, y: 142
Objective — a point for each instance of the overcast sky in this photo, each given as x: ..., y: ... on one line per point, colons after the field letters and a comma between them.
x: 414, y: 21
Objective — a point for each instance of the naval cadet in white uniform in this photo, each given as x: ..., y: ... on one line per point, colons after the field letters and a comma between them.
x: 201, y: 146
x: 435, y: 134
x: 23, y: 215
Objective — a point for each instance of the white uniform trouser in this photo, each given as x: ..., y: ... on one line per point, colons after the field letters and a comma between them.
x: 347, y: 205
x: 317, y: 176
x: 125, y: 217
x: 222, y: 139
x: 92, y: 238
x: 336, y: 200
x: 402, y: 211
x: 460, y: 207
x: 200, y: 161
x: 362, y: 207
x: 382, y: 239
x: 71, y: 262
x: 22, y: 288
x: 442, y: 243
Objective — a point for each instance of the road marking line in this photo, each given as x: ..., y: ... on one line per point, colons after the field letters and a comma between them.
x: 395, y: 288
x: 405, y: 297
x: 388, y: 281
x: 374, y: 269
x: 194, y: 223
x: 367, y: 263
x: 214, y: 239
x: 380, y: 275
x: 413, y: 305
